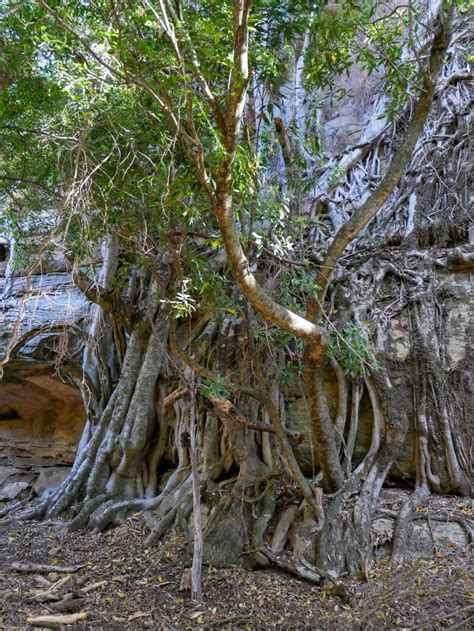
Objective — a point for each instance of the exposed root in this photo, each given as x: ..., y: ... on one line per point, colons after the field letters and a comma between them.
x: 285, y: 522
x: 402, y: 528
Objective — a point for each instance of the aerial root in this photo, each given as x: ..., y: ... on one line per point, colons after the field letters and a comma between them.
x: 12, y: 508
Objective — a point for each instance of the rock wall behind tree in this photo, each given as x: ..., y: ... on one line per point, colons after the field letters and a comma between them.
x: 41, y: 411
x: 455, y: 330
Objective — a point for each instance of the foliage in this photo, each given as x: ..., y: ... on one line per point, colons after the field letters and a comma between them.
x: 183, y: 305
x: 216, y: 388
x: 352, y: 350
x: 365, y: 34
x: 88, y: 149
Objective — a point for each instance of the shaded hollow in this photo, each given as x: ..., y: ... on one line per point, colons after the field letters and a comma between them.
x: 41, y: 422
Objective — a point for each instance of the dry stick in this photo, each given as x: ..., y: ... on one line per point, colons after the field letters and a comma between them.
x: 229, y: 410
x: 174, y: 396
x: 40, y: 567
x: 49, y: 594
x: 56, y: 621
x: 196, y: 589
x: 92, y: 587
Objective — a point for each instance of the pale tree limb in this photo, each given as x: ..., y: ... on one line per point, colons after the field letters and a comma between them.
x: 196, y: 587
x: 56, y: 621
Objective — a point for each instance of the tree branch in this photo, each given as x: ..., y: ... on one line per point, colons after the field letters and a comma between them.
x: 229, y: 410
x: 421, y: 109
x: 209, y: 374
x: 93, y: 291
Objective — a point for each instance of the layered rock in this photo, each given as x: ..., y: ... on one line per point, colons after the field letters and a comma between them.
x: 41, y: 410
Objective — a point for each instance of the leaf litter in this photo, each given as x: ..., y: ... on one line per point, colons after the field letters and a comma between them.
x: 115, y: 582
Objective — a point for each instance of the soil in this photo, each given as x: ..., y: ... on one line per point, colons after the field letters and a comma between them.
x: 127, y: 586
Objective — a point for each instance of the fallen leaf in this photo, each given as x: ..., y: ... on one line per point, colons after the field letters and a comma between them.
x: 196, y: 614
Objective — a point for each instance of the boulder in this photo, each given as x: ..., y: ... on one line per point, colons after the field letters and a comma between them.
x: 14, y: 486
x: 50, y: 477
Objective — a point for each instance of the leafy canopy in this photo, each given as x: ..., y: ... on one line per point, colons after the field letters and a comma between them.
x: 87, y: 147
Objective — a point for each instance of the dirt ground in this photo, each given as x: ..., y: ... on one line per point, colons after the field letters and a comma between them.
x: 122, y: 585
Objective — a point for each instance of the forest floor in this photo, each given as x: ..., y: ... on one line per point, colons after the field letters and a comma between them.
x: 114, y: 582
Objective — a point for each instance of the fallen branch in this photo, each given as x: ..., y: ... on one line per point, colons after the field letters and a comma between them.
x: 71, y: 601
x: 290, y: 567
x: 92, y: 587
x: 51, y: 594
x: 56, y: 621
x: 39, y: 567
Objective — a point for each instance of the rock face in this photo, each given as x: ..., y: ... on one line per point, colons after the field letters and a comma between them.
x: 41, y: 415
x: 38, y: 301
x: 41, y: 420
